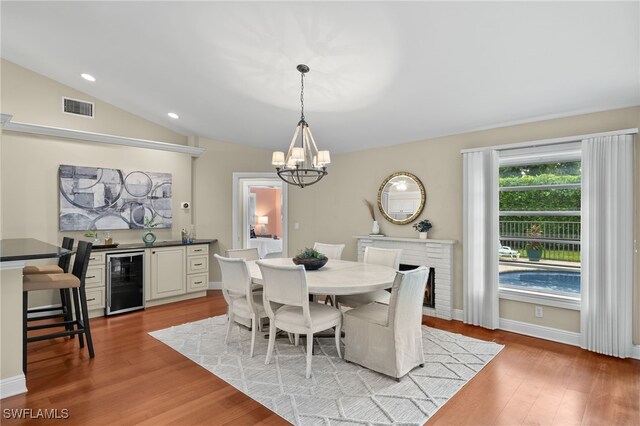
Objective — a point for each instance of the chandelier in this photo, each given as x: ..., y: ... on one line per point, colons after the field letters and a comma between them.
x: 303, y: 164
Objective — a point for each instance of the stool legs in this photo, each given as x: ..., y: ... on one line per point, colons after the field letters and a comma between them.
x: 76, y: 304
x: 85, y: 321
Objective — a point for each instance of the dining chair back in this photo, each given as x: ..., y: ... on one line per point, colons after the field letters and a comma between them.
x: 385, y: 257
x: 236, y: 288
x: 286, y: 300
x: 245, y: 253
x: 332, y: 251
x: 376, y: 256
x: 388, y: 339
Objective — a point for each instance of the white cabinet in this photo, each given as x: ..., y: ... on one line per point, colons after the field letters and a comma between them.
x: 197, y: 268
x: 95, y: 283
x: 168, y: 275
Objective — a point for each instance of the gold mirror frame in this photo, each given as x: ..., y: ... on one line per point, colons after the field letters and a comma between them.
x: 423, y: 198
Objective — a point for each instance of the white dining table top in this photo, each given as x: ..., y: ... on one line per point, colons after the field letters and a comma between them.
x: 337, y: 277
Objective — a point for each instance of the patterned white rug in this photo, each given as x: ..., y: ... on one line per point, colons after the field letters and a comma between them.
x: 338, y: 393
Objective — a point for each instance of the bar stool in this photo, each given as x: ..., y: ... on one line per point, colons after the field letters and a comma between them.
x: 65, y: 294
x: 74, y: 281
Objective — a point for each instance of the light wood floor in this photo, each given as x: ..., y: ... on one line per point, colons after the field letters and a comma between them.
x: 135, y: 379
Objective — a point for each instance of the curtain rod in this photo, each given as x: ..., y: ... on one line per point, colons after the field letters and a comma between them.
x: 555, y: 141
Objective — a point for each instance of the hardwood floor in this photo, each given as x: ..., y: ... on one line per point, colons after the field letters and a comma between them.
x: 134, y: 379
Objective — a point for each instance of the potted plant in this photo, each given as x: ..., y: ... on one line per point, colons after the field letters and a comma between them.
x: 534, y: 248
x: 312, y: 259
x: 423, y: 227
x: 149, y: 237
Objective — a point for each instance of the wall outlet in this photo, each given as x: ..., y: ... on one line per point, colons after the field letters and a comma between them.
x: 539, y: 312
x: 296, y: 226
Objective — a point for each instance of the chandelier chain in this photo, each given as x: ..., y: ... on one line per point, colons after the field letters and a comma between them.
x: 302, y: 96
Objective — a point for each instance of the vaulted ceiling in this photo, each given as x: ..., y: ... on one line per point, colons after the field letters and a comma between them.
x: 382, y: 73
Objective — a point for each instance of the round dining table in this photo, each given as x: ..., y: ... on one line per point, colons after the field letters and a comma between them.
x: 337, y: 277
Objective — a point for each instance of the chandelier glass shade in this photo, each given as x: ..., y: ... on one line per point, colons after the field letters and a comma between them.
x: 303, y: 164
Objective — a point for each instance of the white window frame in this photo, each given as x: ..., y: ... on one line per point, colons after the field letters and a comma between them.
x: 542, y: 154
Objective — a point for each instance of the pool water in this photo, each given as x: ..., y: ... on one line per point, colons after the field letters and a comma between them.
x: 557, y: 281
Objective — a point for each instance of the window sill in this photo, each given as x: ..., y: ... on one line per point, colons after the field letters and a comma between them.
x: 558, y: 301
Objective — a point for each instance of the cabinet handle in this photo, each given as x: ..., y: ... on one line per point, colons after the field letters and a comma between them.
x: 91, y: 300
x: 198, y: 282
x: 153, y: 252
x: 197, y: 264
x: 198, y: 250
x: 92, y: 276
x: 92, y: 258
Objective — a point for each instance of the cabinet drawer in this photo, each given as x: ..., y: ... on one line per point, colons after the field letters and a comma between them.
x: 95, y: 276
x: 197, y: 282
x: 197, y: 264
x: 198, y: 250
x: 96, y: 258
x: 95, y: 298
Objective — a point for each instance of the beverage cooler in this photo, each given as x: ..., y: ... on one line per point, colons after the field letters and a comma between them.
x: 125, y: 282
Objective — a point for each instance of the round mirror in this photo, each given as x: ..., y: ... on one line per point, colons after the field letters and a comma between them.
x: 401, y: 198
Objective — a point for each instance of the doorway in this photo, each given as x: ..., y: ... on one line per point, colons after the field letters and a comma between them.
x: 260, y: 213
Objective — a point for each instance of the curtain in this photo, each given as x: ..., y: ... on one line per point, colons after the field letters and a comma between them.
x: 480, y: 238
x: 607, y: 245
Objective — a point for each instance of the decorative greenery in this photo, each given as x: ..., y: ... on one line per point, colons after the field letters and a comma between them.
x: 309, y: 253
x: 423, y: 226
x: 536, y: 232
x: 150, y: 222
x: 91, y: 233
x: 371, y: 211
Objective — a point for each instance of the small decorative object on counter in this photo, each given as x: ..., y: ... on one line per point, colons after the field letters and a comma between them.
x: 107, y: 238
x: 192, y: 234
x: 312, y: 259
x: 423, y: 227
x: 149, y: 237
x: 185, y: 236
x: 375, y: 228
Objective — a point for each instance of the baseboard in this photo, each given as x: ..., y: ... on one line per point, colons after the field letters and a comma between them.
x: 13, y: 386
x: 458, y: 315
x: 44, y: 314
x: 541, y: 332
x: 635, y: 352
x: 215, y: 285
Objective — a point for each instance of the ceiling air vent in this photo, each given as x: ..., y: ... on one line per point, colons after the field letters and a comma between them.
x: 77, y: 107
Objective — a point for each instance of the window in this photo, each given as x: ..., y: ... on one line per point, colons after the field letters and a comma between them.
x: 539, y: 226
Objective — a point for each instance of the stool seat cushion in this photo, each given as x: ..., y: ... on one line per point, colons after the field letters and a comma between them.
x: 49, y: 281
x: 44, y: 269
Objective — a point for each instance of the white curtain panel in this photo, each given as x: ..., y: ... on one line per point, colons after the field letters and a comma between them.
x: 480, y: 238
x: 607, y: 245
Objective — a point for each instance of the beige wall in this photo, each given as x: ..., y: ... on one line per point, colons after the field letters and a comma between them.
x: 332, y: 211
x: 213, y: 196
x: 29, y: 164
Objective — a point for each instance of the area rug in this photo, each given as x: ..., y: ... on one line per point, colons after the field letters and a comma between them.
x: 338, y: 393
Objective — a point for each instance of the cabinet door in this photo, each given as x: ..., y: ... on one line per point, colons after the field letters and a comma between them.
x: 167, y: 272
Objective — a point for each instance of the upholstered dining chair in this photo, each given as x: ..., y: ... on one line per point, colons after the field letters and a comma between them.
x: 377, y: 256
x: 74, y: 281
x: 236, y: 287
x: 245, y: 253
x: 388, y: 338
x: 332, y: 251
x: 286, y: 300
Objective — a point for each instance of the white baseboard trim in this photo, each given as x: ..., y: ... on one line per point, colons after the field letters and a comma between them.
x: 457, y: 314
x: 541, y: 332
x: 43, y: 314
x: 635, y: 352
x: 13, y: 386
x: 215, y: 285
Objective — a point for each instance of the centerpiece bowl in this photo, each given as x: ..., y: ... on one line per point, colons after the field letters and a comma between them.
x: 311, y: 259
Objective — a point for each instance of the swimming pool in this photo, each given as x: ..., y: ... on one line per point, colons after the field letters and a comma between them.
x: 559, y: 281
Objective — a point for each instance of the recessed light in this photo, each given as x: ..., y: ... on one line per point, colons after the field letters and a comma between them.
x: 173, y: 115
x: 88, y: 77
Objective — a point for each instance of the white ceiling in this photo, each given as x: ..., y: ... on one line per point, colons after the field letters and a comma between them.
x: 382, y: 73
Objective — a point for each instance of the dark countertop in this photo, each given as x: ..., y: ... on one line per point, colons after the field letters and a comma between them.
x: 141, y: 245
x: 28, y: 249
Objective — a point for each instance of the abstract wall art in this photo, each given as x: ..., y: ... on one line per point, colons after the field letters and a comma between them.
x: 97, y: 198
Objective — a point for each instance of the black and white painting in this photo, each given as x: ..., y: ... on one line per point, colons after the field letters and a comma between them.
x: 96, y: 198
